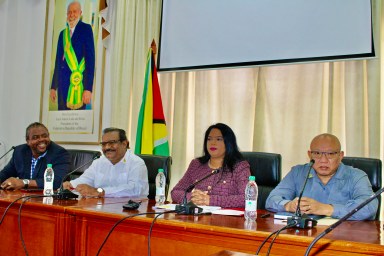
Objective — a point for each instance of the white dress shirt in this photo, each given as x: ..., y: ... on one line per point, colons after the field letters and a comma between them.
x: 127, y: 178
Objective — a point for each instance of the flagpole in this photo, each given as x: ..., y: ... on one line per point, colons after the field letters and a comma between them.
x: 154, y: 50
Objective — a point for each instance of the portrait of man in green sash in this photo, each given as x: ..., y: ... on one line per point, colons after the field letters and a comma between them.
x: 73, y: 76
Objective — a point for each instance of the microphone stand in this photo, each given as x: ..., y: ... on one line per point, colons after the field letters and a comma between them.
x: 65, y: 194
x: 337, y: 223
x: 302, y: 220
x: 190, y: 208
x: 6, y: 153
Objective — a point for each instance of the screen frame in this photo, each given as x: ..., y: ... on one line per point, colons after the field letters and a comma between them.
x: 265, y: 62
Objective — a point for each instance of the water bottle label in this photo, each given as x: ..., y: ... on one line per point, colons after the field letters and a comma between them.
x: 250, y: 205
x: 160, y: 191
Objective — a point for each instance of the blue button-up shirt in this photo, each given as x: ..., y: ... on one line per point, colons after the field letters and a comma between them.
x: 348, y: 188
x: 34, y: 162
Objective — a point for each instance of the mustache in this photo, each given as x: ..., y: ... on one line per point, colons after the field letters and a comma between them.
x: 109, y: 150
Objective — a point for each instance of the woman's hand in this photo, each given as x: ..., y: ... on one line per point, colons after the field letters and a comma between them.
x: 200, y: 197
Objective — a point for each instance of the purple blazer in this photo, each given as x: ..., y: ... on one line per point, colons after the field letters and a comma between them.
x: 226, y: 189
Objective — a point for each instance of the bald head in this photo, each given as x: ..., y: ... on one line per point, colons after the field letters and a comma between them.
x: 326, y: 138
x: 74, y: 5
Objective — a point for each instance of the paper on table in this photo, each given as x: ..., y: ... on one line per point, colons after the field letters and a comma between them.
x: 327, y: 221
x: 205, y: 208
x: 281, y: 216
x: 229, y: 212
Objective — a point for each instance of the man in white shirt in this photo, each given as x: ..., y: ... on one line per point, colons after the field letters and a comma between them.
x: 118, y: 173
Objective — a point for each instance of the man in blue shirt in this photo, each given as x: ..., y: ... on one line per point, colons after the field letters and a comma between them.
x: 333, y: 189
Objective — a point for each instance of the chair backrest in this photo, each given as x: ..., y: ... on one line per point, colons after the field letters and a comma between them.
x: 372, y: 167
x: 154, y: 163
x: 266, y: 167
x: 80, y: 157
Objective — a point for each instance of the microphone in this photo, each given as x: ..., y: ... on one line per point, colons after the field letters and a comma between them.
x: 302, y: 220
x: 66, y: 193
x: 337, y: 223
x: 6, y: 153
x: 190, y: 208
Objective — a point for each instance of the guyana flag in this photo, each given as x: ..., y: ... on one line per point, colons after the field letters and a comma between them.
x: 151, y: 135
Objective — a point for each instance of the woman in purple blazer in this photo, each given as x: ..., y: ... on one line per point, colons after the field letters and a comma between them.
x: 226, y: 188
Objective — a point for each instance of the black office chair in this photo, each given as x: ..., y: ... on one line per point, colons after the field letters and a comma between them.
x: 266, y: 167
x: 372, y: 167
x: 154, y: 163
x: 80, y: 157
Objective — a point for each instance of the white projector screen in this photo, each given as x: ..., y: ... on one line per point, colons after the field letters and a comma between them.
x: 209, y: 34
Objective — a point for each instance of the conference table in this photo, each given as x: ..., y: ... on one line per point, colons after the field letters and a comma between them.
x: 36, y: 225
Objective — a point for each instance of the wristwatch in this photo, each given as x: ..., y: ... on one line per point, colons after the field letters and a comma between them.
x: 26, y: 183
x: 100, y: 191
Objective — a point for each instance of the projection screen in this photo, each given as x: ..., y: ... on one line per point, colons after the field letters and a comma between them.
x: 209, y: 34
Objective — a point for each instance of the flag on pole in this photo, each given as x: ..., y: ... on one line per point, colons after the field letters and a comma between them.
x: 151, y: 135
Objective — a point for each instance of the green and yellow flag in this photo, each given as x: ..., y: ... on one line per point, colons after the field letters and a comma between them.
x: 151, y: 135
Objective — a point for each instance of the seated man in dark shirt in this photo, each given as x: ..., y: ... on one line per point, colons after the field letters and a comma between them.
x: 29, y: 161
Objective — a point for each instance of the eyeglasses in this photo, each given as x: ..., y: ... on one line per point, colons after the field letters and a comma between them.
x: 328, y: 155
x: 109, y: 143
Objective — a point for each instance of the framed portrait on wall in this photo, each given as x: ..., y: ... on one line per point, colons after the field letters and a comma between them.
x: 72, y: 84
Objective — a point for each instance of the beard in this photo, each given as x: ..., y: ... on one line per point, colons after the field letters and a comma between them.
x: 73, y: 23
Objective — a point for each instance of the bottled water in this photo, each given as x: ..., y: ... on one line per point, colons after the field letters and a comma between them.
x: 250, y: 225
x: 160, y: 187
x: 251, y: 193
x: 49, y: 175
